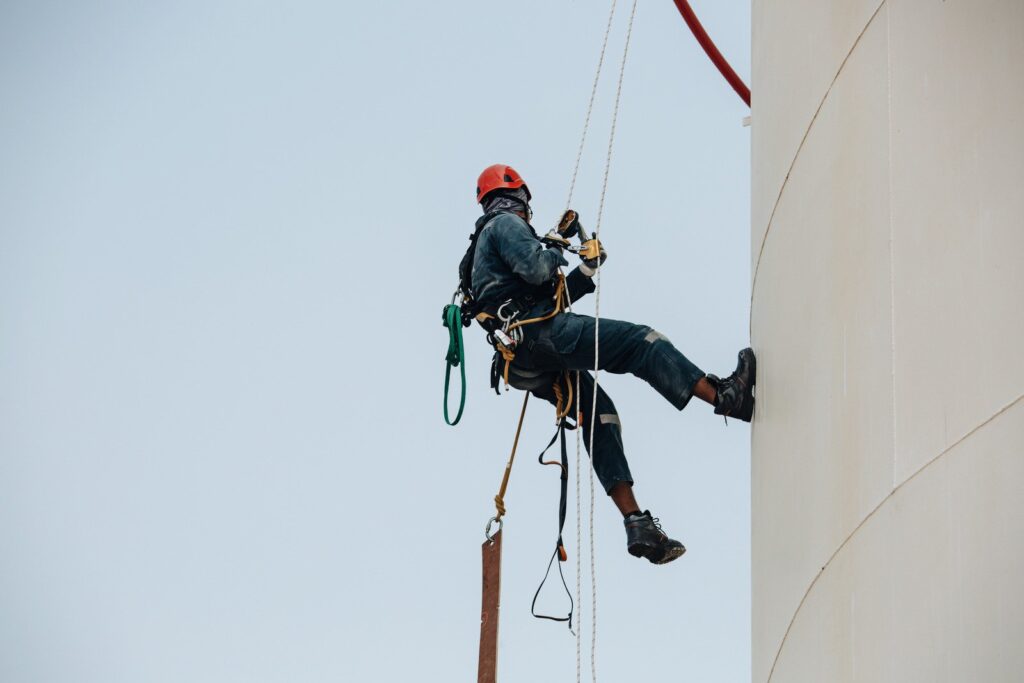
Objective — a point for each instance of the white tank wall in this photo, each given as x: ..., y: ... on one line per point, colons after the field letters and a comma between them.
x: 888, y: 317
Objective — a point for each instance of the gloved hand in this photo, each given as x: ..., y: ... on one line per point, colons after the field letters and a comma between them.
x: 569, y: 226
x: 593, y: 255
x: 554, y: 240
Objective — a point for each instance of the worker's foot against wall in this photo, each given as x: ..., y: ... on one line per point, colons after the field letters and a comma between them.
x: 735, y: 393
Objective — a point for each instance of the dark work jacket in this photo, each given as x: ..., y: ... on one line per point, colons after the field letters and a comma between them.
x: 511, y: 262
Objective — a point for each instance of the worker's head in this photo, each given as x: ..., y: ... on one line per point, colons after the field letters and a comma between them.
x: 501, y: 187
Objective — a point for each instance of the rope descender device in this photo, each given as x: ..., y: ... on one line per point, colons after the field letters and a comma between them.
x: 589, y: 247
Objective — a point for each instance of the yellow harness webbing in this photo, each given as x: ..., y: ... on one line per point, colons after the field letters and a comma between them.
x: 509, y: 355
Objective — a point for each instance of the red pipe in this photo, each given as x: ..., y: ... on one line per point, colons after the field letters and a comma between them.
x: 709, y: 47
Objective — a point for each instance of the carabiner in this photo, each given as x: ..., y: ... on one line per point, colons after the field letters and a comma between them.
x: 507, y: 320
x: 487, y: 531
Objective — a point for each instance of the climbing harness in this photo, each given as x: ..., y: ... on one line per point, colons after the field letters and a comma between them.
x: 511, y: 331
x: 452, y: 319
x: 504, y: 328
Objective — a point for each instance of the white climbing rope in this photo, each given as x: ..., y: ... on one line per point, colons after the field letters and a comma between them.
x: 597, y: 345
x: 597, y: 321
x: 578, y: 633
x: 590, y: 107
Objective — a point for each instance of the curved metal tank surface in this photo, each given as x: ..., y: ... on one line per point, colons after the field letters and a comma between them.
x: 888, y: 317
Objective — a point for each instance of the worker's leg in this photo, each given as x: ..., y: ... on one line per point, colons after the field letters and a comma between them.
x: 644, y: 535
x: 622, y: 495
x: 608, y: 455
x: 607, y: 452
x: 623, y: 347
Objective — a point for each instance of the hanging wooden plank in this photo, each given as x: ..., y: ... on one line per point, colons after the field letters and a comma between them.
x: 487, y: 671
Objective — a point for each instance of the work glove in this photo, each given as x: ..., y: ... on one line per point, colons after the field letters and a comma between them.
x: 593, y: 255
x: 569, y: 226
x: 553, y: 240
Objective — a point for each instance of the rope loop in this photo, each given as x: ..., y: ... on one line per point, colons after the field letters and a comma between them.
x: 456, y: 357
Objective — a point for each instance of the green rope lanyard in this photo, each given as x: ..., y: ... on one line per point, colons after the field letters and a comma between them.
x: 452, y: 317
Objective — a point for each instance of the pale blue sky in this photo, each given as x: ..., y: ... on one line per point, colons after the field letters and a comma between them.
x: 227, y: 230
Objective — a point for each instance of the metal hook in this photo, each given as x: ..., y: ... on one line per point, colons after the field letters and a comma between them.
x: 501, y: 315
x: 487, y: 531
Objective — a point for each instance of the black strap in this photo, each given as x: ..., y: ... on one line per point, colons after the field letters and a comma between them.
x: 559, y: 551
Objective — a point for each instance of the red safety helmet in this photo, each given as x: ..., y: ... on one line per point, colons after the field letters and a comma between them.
x: 498, y: 177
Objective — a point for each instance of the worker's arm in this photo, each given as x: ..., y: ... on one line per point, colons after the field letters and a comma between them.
x: 523, y: 252
x: 579, y: 284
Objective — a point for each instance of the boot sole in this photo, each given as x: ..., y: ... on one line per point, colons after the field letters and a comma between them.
x: 753, y: 366
x: 748, y: 410
x: 651, y: 555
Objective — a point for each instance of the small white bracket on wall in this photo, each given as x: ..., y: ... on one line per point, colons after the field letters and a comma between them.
x: 746, y: 122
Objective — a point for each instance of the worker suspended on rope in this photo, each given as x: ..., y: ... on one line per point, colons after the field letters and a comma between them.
x: 511, y: 283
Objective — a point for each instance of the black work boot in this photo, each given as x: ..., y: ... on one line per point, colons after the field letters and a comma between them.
x: 734, y: 395
x: 644, y: 538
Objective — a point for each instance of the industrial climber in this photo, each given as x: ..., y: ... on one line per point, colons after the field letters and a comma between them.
x: 512, y: 279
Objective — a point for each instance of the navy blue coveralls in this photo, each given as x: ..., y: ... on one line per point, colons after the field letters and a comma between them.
x: 511, y: 263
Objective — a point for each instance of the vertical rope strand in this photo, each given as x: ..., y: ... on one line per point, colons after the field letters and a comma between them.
x: 579, y: 541
x: 590, y: 107
x: 579, y: 409
x: 615, y: 118
x: 597, y: 344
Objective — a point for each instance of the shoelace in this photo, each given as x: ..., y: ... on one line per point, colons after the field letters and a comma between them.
x: 656, y: 521
x: 734, y: 377
x: 657, y: 525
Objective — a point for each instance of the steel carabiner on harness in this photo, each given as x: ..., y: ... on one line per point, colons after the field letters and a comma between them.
x: 509, y: 335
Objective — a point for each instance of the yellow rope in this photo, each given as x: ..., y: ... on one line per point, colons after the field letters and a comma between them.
x: 508, y: 354
x: 562, y: 409
x: 499, y: 500
x: 562, y: 406
x: 559, y: 306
